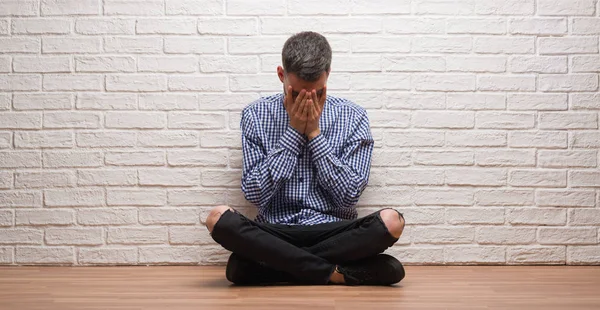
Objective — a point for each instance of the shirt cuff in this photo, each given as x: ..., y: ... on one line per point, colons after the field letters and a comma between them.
x: 319, y: 147
x: 292, y: 140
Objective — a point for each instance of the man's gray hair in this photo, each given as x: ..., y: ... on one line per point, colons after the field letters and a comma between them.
x: 306, y: 54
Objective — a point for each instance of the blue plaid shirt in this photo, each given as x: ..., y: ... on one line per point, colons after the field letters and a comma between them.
x: 299, y: 182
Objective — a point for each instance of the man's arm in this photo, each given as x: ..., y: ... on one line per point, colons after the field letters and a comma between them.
x: 264, y: 173
x: 345, y: 177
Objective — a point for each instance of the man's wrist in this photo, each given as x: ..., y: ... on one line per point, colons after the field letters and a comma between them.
x: 313, y: 134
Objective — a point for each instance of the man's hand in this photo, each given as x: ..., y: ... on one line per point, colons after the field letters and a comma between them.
x: 298, y: 109
x: 314, y: 113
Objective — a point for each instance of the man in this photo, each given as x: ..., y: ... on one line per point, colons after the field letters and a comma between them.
x: 306, y: 161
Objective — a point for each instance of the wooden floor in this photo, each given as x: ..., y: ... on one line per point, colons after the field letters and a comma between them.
x: 170, y: 288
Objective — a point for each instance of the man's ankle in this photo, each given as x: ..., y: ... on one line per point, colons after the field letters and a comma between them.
x: 337, y: 277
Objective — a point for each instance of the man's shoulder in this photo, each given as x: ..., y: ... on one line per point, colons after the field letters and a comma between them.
x: 265, y: 103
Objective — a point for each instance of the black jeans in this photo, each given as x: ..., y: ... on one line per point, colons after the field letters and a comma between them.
x: 307, y: 252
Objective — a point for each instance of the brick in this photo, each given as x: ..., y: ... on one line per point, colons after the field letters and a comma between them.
x: 504, y: 45
x: 414, y: 177
x: 44, y: 217
x: 106, y: 177
x: 584, y: 217
x: 447, y: 119
x: 220, y: 139
x: 444, y: 7
x: 198, y: 83
x: 566, y: 7
x: 537, y: 102
x: 506, y: 82
x: 70, y: 7
x: 538, y: 178
x: 166, y: 26
x: 20, y: 198
x: 5, y: 142
x: 44, y: 179
x: 74, y: 197
x: 455, y: 44
x: 168, y: 138
x: 536, y: 216
x: 536, y: 255
x: 537, y: 139
x: 190, y: 235
x: 196, y: 120
x: 192, y: 45
x: 476, y: 138
x: 454, y: 197
x: 476, y: 177
x: 505, y: 235
x: 171, y: 255
x: 475, y: 26
x: 262, y: 8
x: 169, y: 177
x: 474, y: 216
x: 20, y: 159
x: 412, y: 25
x: 583, y: 178
x: 476, y: 64
x: 5, y: 67
x: 504, y: 120
x: 106, y: 139
x: 20, y: 82
x: 384, y: 158
x: 440, y: 82
x: 134, y: 7
x: 6, y: 179
x: 43, y: 139
x: 504, y: 197
x: 108, y: 256
x: 567, y: 235
x: 565, y: 198
x: 74, y: 236
x: 19, y: 8
x: 572, y: 120
x: 537, y: 26
x: 136, y: 158
x: 570, y: 83
x: 417, y: 255
x: 41, y: 26
x: 115, y: 26
x: 104, y: 101
x: 136, y: 197
x: 312, y: 7
x: 200, y: 158
x: 21, y: 236
x: 359, y: 7
x: 255, y: 45
x: 41, y: 64
x: 233, y: 26
x: 6, y: 255
x: 72, y: 159
x: 389, y: 119
x: 136, y: 45
x: 110, y: 216
x: 568, y: 45
x: 220, y: 178
x: 43, y: 101
x: 201, y: 197
x: 585, y: 64
x: 168, y: 64
x: 6, y: 218
x: 167, y: 216
x: 474, y: 255
x: 585, y: 139
x: 68, y: 82
x: 380, y: 44
x: 45, y: 255
x: 194, y: 7
x: 89, y: 120
x: 137, y: 235
x: 567, y: 159
x: 230, y: 64
x: 436, y: 158
x: 422, y: 215
x: 583, y: 255
x: 585, y: 25
x: 414, y: 138
x: 135, y: 120
x: 20, y: 120
x: 70, y: 45
x: 401, y: 63
x: 168, y: 102
x: 410, y: 101
x: 539, y: 64
x: 508, y: 7
x: 243, y: 83
x: 443, y: 235
x: 105, y: 64
x: 136, y: 83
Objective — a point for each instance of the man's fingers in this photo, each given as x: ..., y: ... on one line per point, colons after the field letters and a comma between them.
x: 297, y: 103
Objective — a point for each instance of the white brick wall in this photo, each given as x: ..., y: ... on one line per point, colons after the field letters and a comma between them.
x: 119, y: 123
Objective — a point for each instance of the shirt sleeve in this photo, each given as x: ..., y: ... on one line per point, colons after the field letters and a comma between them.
x: 265, y: 172
x: 346, y: 176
